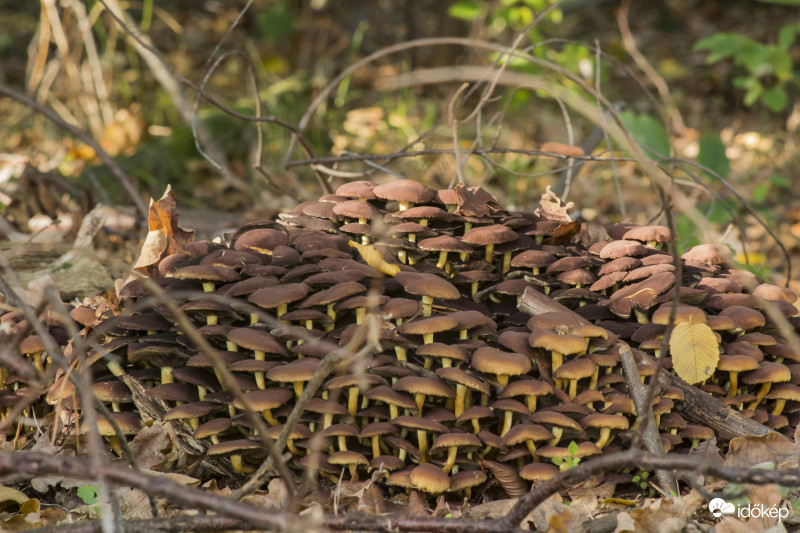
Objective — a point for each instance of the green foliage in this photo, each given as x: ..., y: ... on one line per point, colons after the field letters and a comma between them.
x: 712, y: 155
x: 769, y: 68
x: 90, y: 495
x: 565, y: 463
x: 649, y: 132
x: 275, y: 21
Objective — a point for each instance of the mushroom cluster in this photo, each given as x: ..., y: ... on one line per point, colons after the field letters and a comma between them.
x: 466, y: 382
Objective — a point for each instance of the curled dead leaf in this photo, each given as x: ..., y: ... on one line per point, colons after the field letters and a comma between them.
x: 375, y: 259
x: 551, y: 207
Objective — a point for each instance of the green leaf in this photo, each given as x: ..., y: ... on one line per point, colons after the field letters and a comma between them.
x: 720, y: 46
x: 275, y: 21
x: 573, y: 448
x: 712, y: 155
x: 786, y: 36
x: 648, y: 132
x: 466, y: 10
x: 775, y: 99
x: 778, y: 180
x: 88, y: 493
x: 557, y: 461
x: 760, y: 193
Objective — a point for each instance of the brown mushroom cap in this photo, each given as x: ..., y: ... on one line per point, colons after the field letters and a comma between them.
x: 493, y: 361
x: 551, y: 341
x: 429, y: 478
x: 484, y: 235
x: 404, y: 190
x: 427, y: 285
x: 357, y: 189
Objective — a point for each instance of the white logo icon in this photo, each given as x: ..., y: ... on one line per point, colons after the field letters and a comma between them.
x: 719, y: 507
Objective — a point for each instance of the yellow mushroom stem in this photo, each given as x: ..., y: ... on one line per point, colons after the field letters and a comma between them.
x: 238, y: 465
x: 452, y: 451
x: 331, y: 312
x: 557, y: 432
x: 734, y: 384
x: 231, y: 346
x: 253, y: 318
x: 166, y: 375
x: 461, y: 394
x: 402, y: 256
x: 474, y: 286
x: 595, y: 377
x: 419, y: 398
x: 605, y: 438
x: 762, y: 392
x: 401, y: 353
x: 361, y: 312
x: 557, y: 359
x: 115, y: 445
x: 298, y: 388
x: 573, y: 389
x: 115, y: 407
x: 427, y: 302
x: 402, y: 206
x: 427, y: 338
x: 442, y: 259
x: 208, y: 286
x: 502, y: 379
x: 212, y: 320
x: 115, y: 368
x: 422, y: 439
x: 281, y: 310
x: 362, y: 221
x: 37, y: 361
x: 641, y: 316
x: 532, y: 448
x: 342, y: 443
x: 394, y: 412
x: 506, y: 262
x: 531, y: 403
x: 508, y: 419
x: 327, y: 420
x: 194, y: 422
x: 476, y: 426
x: 352, y: 401
x: 780, y: 403
x: 292, y: 448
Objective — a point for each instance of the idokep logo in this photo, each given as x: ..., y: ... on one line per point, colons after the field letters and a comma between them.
x: 719, y: 507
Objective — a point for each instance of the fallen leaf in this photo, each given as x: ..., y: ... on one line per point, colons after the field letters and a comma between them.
x: 165, y: 236
x: 666, y: 516
x: 748, y: 451
x: 559, y: 517
x: 761, y: 497
x: 625, y: 523
x: 562, y: 149
x: 417, y: 505
x: 375, y: 259
x: 565, y: 232
x: 475, y: 202
x: 694, y: 350
x: 507, y: 477
x: 155, y: 447
x: 551, y: 207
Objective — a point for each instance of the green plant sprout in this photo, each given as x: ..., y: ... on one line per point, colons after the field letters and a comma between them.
x: 90, y: 495
x: 565, y: 463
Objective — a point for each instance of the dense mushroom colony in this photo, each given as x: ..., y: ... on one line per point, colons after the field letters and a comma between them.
x: 468, y: 389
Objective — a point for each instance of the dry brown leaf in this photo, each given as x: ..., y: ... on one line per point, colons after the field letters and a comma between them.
x: 694, y: 350
x: 475, y: 202
x: 625, y: 523
x: 551, y: 208
x: 507, y: 476
x: 565, y: 232
x: 562, y: 149
x: 417, y: 505
x: 155, y: 447
x: 553, y: 515
x: 133, y: 503
x: 165, y: 236
x: 666, y: 516
x: 375, y: 259
x: 749, y: 451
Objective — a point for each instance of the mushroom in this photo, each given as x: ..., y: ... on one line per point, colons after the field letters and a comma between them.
x: 528, y: 434
x: 406, y: 192
x: 501, y: 364
x: 374, y: 432
x: 234, y: 450
x: 429, y: 478
x: 489, y: 236
x: 767, y: 374
x: 264, y: 401
x: 422, y: 387
x: 573, y: 371
x: 452, y: 442
x: 605, y: 423
x: 428, y: 286
x: 557, y: 344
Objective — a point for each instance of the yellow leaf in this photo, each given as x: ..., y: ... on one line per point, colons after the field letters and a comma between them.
x: 373, y: 258
x: 694, y: 350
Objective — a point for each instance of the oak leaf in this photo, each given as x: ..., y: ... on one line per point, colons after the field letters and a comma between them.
x: 551, y: 207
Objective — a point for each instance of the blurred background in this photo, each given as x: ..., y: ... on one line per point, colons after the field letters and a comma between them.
x: 707, y: 88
